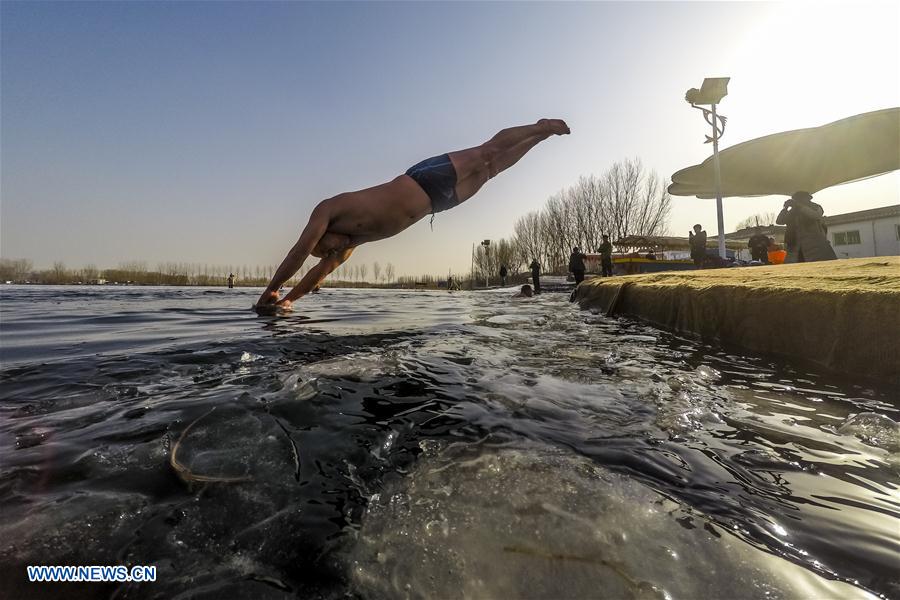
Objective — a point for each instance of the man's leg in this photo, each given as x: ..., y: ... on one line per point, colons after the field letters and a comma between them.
x: 609, y: 267
x: 474, y: 166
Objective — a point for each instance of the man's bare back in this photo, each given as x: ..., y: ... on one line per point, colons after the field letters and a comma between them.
x: 376, y: 213
x: 341, y: 223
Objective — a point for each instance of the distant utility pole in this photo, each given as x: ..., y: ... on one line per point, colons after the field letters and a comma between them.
x: 472, y: 270
x: 487, y: 272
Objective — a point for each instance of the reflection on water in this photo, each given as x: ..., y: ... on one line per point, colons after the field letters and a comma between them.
x: 428, y: 445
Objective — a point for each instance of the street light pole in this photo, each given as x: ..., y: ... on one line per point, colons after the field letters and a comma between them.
x: 711, y: 93
x: 717, y: 174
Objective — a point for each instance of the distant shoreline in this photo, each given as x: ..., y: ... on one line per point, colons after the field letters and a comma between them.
x: 333, y: 285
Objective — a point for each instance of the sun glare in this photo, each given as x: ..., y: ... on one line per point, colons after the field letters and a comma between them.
x: 806, y: 64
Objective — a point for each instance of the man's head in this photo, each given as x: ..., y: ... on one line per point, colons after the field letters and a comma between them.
x: 801, y: 197
x: 330, y: 243
x: 575, y: 249
x: 605, y: 238
x: 698, y: 228
x: 526, y: 291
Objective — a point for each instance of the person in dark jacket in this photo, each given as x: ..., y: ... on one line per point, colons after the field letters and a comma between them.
x: 697, y: 239
x: 805, y: 234
x: 759, y: 246
x: 535, y: 267
x: 605, y: 251
x: 503, y: 272
x: 576, y: 264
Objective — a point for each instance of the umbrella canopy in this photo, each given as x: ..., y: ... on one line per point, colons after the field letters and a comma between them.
x: 806, y: 160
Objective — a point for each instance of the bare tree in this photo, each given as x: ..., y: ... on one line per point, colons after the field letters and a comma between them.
x: 376, y: 270
x: 639, y: 201
x: 58, y: 272
x: 90, y: 272
x: 363, y: 271
x: 625, y: 200
x: 15, y: 269
x: 389, y: 272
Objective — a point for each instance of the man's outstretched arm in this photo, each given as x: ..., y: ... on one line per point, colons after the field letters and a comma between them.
x: 316, y: 276
x: 312, y: 233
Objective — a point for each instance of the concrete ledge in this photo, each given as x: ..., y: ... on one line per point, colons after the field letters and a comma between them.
x: 841, y: 314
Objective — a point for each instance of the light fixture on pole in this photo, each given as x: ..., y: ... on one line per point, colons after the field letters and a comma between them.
x: 711, y: 93
x: 487, y: 246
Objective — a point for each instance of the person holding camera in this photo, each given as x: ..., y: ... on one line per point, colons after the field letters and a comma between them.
x: 805, y: 236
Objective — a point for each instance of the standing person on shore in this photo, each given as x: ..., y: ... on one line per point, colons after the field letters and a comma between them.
x: 503, y: 272
x: 759, y: 246
x: 576, y: 264
x: 535, y: 267
x: 697, y: 239
x: 605, y: 250
x: 338, y: 225
x: 805, y: 235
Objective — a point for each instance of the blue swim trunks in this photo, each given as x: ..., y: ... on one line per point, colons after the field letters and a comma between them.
x: 437, y: 176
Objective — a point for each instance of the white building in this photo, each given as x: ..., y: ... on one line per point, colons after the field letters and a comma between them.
x: 873, y: 232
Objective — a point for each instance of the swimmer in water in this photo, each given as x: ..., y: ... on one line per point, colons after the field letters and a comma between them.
x: 525, y: 292
x: 339, y: 224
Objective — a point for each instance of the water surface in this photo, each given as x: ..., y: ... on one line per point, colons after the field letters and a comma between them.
x: 384, y: 436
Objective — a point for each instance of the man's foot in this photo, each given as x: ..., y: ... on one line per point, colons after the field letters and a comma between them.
x: 555, y: 126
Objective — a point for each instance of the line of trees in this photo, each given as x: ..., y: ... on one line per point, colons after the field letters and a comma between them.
x: 171, y: 273
x: 624, y: 200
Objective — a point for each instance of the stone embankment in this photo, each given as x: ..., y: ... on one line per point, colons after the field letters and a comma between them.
x: 843, y: 315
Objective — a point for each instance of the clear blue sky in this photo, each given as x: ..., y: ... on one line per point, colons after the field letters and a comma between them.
x: 205, y: 132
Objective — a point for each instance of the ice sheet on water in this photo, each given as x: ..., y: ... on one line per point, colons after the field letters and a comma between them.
x: 531, y: 521
x: 510, y: 319
x: 86, y: 527
x: 247, y: 357
x: 689, y: 402
x: 707, y: 373
x: 359, y: 366
x: 236, y: 444
x: 298, y: 388
x: 874, y: 429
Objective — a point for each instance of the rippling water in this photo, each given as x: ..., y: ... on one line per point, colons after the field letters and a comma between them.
x: 425, y: 444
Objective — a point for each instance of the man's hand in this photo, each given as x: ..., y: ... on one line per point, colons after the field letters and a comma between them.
x: 267, y: 303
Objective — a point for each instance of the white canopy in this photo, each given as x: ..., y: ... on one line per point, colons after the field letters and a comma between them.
x: 806, y: 160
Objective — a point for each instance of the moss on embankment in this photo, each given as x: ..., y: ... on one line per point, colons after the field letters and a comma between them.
x: 843, y: 314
